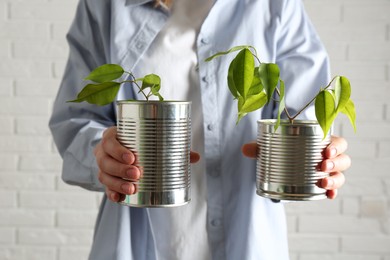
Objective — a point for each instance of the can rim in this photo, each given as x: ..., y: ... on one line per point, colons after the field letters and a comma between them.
x: 153, y: 102
x: 296, y: 122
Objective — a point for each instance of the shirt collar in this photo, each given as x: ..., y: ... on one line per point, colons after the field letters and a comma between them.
x: 137, y: 2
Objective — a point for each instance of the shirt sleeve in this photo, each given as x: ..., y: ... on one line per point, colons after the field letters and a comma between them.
x: 78, y: 127
x: 303, y: 61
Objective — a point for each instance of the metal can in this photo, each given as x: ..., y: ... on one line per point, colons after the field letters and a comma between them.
x: 288, y: 160
x: 159, y: 134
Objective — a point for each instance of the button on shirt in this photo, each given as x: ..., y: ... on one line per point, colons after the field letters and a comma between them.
x: 239, y: 224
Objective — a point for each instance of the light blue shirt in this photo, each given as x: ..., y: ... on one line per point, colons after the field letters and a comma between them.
x: 240, y: 224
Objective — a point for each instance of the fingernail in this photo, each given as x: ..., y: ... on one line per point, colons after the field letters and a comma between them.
x: 132, y: 174
x: 330, y: 183
x: 329, y: 165
x: 126, y: 187
x: 127, y: 158
x: 333, y: 152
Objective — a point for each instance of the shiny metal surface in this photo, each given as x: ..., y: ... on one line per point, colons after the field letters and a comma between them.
x: 288, y: 159
x: 159, y: 134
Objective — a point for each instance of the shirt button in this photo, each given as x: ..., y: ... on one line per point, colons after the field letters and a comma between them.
x: 210, y: 127
x: 140, y: 45
x: 205, y: 40
x: 214, y: 173
x: 205, y: 79
x: 216, y: 222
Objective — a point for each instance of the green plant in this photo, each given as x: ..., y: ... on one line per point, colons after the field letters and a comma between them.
x: 253, y: 83
x: 107, y: 82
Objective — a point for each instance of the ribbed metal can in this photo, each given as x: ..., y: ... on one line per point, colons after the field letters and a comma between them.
x: 288, y: 160
x: 159, y: 134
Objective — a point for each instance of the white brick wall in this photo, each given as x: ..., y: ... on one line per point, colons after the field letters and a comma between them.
x: 42, y: 218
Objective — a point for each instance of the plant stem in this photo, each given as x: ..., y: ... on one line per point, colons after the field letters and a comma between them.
x: 311, y: 101
x: 285, y: 107
x: 135, y: 82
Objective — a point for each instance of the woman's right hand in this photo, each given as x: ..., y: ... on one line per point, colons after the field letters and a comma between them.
x: 116, y: 170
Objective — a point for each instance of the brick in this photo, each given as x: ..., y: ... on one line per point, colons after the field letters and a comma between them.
x: 58, y: 200
x: 320, y: 12
x: 25, y: 106
x: 369, y: 51
x: 369, y: 111
x: 361, y: 70
x: 32, y: 126
x: 315, y: 207
x: 7, y: 236
x: 41, y: 162
x: 67, y: 253
x: 338, y: 256
x: 27, y: 218
x: 338, y: 225
x: 8, y: 161
x: 347, y: 34
x: 24, y: 30
x: 387, y: 186
x: 5, y: 49
x: 369, y: 131
x: 24, y: 181
x: 36, y: 87
x: 59, y: 30
x: 25, y: 68
x: 6, y: 125
x: 384, y: 149
x: 291, y: 223
x: 58, y: 69
x: 360, y: 13
x: 6, y: 89
x: 337, y: 51
x: 8, y: 199
x: 366, y: 244
x: 374, y: 207
x: 13, y: 143
x: 362, y: 186
x: 374, y: 167
x: 40, y: 50
x: 27, y: 253
x: 379, y: 93
x: 42, y: 12
x: 350, y: 206
x: 76, y: 219
x: 34, y: 236
x: 304, y: 243
x: 358, y: 149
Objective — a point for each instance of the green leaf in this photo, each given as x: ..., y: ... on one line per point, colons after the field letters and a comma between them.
x: 325, y: 110
x: 269, y: 74
x: 236, y: 48
x: 230, y: 81
x: 342, y: 92
x: 256, y: 86
x: 243, y: 69
x: 252, y: 103
x: 151, y: 81
x: 98, y: 94
x: 282, y: 104
x: 349, y: 110
x: 105, y: 73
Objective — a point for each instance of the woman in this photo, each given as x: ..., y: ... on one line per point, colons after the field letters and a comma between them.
x: 225, y: 219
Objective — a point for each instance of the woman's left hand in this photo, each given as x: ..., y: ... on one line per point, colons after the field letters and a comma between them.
x: 335, y: 163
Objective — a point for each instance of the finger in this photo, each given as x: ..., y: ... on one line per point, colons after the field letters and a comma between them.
x: 334, y: 181
x: 337, y: 146
x: 194, y: 157
x: 249, y: 150
x: 111, y: 145
x: 331, y: 194
x: 115, y: 196
x: 338, y: 164
x: 111, y: 166
x: 116, y: 184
